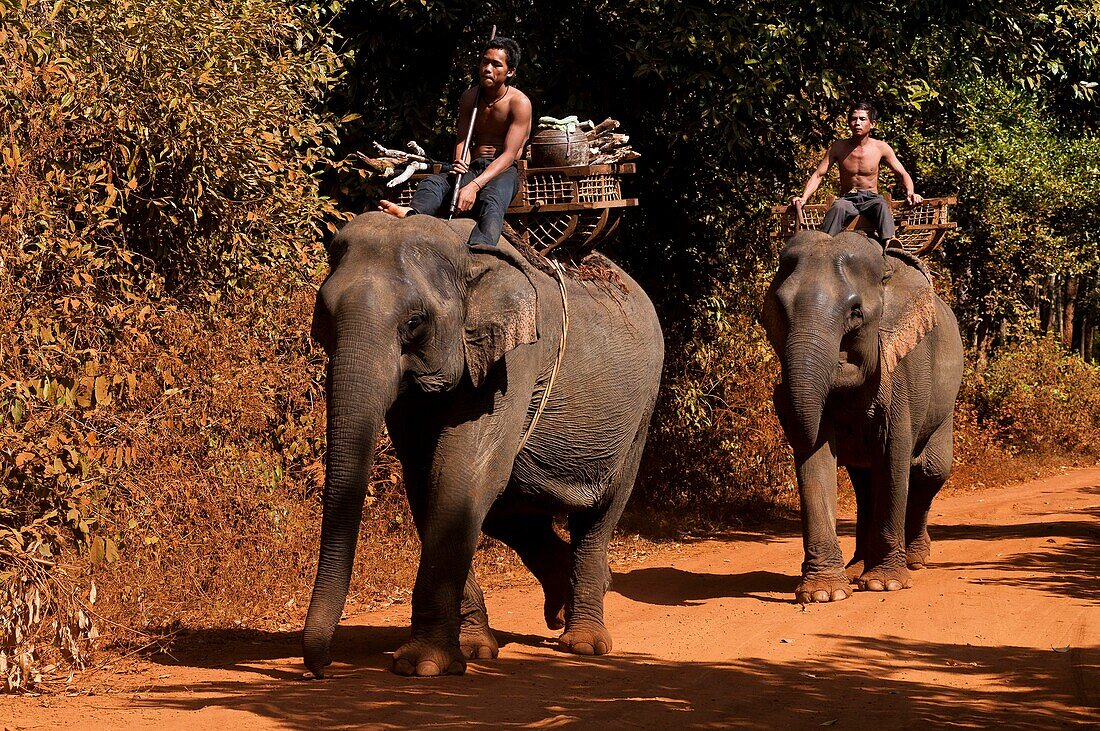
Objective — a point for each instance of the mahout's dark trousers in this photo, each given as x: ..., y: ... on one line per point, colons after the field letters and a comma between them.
x: 859, y: 203
x: 433, y: 197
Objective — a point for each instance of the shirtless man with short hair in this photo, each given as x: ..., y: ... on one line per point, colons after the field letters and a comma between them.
x: 859, y: 157
x: 502, y: 127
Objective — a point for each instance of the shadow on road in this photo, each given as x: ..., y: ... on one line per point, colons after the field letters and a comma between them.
x: 1067, y: 564
x: 862, y: 682
x: 670, y: 586
x: 243, y: 649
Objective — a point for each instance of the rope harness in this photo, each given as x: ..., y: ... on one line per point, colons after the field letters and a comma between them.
x: 559, y: 275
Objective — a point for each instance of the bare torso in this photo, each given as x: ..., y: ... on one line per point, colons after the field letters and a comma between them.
x: 858, y: 162
x: 494, y: 119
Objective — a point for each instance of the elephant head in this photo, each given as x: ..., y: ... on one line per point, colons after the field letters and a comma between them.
x: 840, y: 313
x: 407, y: 304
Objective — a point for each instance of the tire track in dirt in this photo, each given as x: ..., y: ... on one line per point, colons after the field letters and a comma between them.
x: 1001, y: 630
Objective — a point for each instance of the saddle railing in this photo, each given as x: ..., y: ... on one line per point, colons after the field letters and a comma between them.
x: 574, y: 207
x: 920, y: 228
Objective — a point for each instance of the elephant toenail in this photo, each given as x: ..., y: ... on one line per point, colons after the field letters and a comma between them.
x: 839, y: 595
x: 427, y: 668
x: 893, y: 585
x: 484, y: 653
x: 403, y: 667
x: 602, y: 648
x: 583, y: 648
x: 821, y: 595
x: 874, y: 585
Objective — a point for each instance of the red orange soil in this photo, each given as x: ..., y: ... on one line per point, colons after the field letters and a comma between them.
x: 1002, y: 630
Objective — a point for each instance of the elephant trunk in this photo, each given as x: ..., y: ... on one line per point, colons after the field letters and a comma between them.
x: 362, y: 386
x: 809, y: 369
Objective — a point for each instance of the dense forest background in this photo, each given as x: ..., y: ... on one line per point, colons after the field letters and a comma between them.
x: 171, y: 171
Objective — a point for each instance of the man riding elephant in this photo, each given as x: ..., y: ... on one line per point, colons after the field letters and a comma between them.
x: 859, y: 158
x: 502, y: 126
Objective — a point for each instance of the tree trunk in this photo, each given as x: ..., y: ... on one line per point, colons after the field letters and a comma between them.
x: 1045, y: 310
x: 1069, y: 309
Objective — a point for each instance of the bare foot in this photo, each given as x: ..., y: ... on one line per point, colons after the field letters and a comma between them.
x: 393, y: 209
x: 424, y: 658
x: 884, y: 578
x: 827, y: 587
x: 476, y: 639
x: 586, y: 639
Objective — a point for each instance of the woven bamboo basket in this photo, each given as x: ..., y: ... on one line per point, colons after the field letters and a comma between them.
x: 573, y: 207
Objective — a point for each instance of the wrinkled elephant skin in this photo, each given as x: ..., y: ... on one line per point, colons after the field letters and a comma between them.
x: 871, y: 365
x: 453, y: 347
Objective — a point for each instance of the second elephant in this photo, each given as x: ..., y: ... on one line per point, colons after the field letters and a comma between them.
x: 871, y: 363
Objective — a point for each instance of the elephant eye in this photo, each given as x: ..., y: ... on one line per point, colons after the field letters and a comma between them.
x: 415, y: 321
x: 857, y: 313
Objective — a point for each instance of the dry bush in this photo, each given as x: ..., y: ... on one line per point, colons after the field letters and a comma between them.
x: 1036, y: 399
x: 157, y: 159
x: 716, y: 455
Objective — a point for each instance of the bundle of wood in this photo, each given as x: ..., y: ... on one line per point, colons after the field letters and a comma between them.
x: 605, y: 144
x: 388, y: 161
x: 608, y: 146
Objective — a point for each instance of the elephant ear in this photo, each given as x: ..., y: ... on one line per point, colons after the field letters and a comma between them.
x: 909, y: 307
x: 771, y: 318
x: 501, y: 307
x: 321, y: 327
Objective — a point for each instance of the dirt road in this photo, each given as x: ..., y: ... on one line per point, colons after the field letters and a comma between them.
x: 1002, y: 630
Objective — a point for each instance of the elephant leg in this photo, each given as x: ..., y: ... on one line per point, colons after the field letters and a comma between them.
x: 443, y: 581
x: 543, y: 552
x: 823, y: 577
x: 590, y: 534
x: 861, y: 483
x: 470, y: 467
x: 414, y: 448
x: 926, y: 477
x: 884, y: 561
x: 475, y: 638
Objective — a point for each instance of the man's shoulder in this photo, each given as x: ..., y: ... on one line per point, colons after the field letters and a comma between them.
x: 520, y: 99
x: 841, y: 148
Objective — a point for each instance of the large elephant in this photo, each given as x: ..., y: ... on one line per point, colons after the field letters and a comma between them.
x: 871, y: 365
x: 454, y: 346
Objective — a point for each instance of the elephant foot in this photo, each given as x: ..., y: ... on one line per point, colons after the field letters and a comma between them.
x: 476, y: 639
x: 830, y: 587
x: 424, y: 659
x: 854, y: 570
x: 885, y: 578
x: 586, y: 639
x: 918, y: 552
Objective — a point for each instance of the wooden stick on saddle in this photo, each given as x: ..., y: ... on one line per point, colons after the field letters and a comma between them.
x: 799, y: 218
x: 469, y: 138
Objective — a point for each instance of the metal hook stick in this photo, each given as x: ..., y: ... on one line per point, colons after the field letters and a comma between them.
x: 469, y: 138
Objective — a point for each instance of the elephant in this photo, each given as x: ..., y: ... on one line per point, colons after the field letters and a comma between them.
x: 871, y: 362
x: 455, y: 347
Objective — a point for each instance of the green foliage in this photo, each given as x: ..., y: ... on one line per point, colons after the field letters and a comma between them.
x: 1027, y: 201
